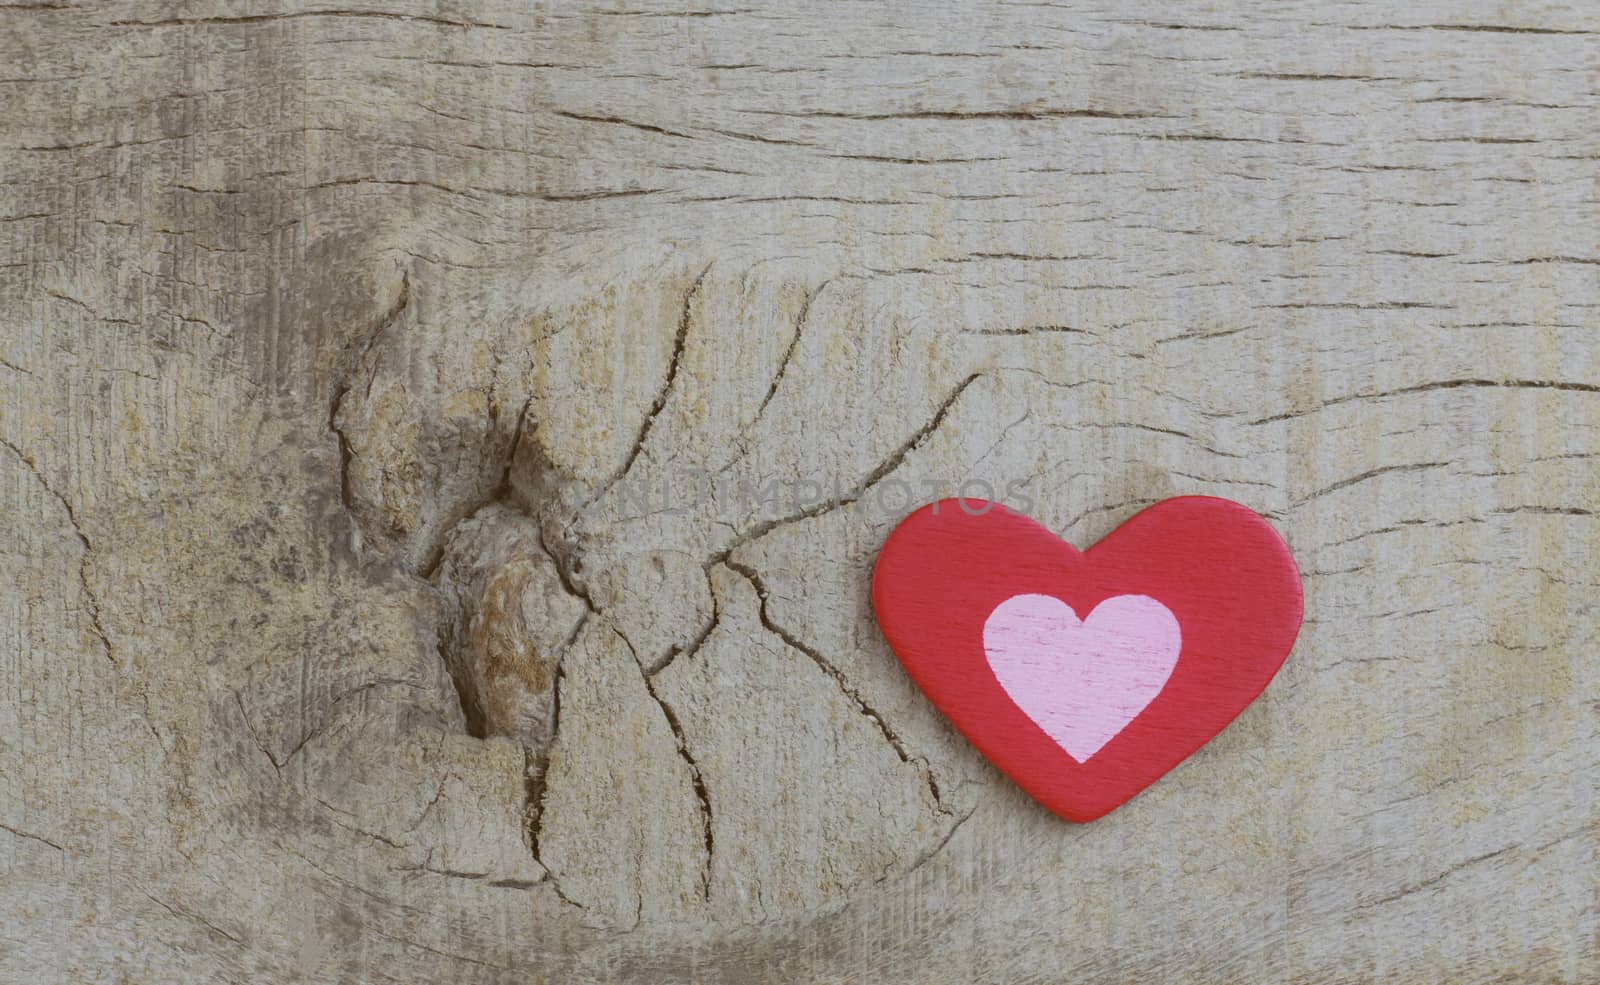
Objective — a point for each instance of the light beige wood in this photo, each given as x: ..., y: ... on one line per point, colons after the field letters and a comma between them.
x: 345, y: 350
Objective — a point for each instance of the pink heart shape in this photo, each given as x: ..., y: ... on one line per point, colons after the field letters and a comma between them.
x: 1082, y: 682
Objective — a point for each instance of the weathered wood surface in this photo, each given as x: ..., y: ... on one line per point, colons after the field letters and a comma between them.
x: 338, y: 644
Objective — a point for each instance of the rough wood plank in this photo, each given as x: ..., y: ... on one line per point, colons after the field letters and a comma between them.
x: 346, y: 347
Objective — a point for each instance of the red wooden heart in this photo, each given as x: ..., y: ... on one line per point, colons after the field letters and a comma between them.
x: 992, y: 614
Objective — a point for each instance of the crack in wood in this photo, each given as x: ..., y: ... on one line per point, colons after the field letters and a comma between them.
x: 679, y: 342
x: 742, y: 440
x: 29, y: 836
x: 96, y: 625
x: 920, y: 763
x: 868, y: 482
x: 1456, y: 384
x: 694, y: 645
x: 697, y: 779
x: 342, y: 390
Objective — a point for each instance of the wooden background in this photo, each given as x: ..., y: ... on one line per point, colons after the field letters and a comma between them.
x: 339, y: 643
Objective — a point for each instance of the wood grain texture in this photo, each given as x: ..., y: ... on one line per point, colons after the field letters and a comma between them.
x: 343, y: 639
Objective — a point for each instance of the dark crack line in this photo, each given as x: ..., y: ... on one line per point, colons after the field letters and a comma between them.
x: 1462, y: 384
x: 788, y: 353
x: 423, y: 19
x: 536, y: 765
x: 356, y: 828
x: 454, y: 956
x: 96, y: 625
x: 1468, y: 28
x: 1542, y: 511
x: 249, y: 727
x: 800, y: 321
x: 1371, y: 474
x: 466, y: 696
x: 696, y: 777
x: 1038, y: 330
x: 335, y: 878
x: 868, y: 482
x: 278, y: 765
x: 1435, y: 879
x: 319, y: 730
x: 535, y: 769
x: 447, y: 873
x: 504, y: 494
x: 505, y: 491
x: 28, y: 836
x: 536, y: 786
x: 196, y: 918
x: 482, y: 193
x: 929, y: 855
x: 920, y: 763
x: 1355, y: 306
x: 695, y: 644
x: 662, y: 395
x: 346, y: 453
x: 1025, y: 115
x: 619, y: 121
x: 563, y: 562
